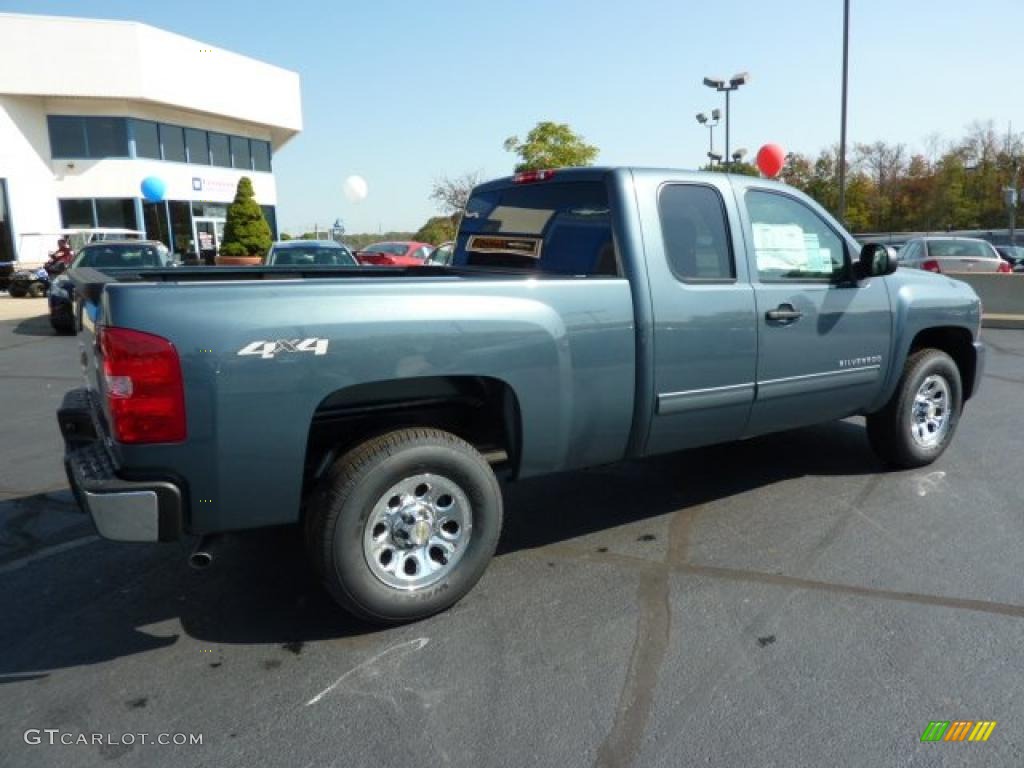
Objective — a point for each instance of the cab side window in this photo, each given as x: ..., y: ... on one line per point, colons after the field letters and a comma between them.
x: 696, y: 233
x: 791, y: 241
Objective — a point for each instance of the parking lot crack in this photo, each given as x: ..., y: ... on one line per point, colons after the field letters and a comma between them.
x: 622, y: 744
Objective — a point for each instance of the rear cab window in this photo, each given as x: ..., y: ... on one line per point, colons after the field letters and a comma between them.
x: 548, y: 226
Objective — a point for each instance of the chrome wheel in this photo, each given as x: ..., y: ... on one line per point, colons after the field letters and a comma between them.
x: 930, y: 414
x: 417, y: 531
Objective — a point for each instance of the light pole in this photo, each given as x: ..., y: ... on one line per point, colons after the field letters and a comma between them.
x: 842, y: 120
x: 702, y: 118
x: 722, y: 86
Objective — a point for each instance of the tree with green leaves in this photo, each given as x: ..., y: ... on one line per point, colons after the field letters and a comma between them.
x: 439, y: 229
x: 551, y: 145
x: 246, y: 232
x: 736, y: 166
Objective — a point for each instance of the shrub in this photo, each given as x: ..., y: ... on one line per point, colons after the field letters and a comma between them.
x: 246, y: 232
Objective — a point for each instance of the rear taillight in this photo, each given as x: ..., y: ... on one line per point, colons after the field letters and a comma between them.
x: 144, y: 387
x: 531, y: 177
x: 1004, y: 268
x: 931, y: 266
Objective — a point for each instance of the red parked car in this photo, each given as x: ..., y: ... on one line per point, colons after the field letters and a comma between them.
x: 402, y: 254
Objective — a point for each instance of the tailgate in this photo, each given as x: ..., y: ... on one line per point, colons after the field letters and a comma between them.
x: 88, y: 312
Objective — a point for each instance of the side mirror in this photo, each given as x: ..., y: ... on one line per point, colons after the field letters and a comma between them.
x: 876, y: 260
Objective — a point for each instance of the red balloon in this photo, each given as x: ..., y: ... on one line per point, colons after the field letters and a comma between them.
x: 770, y: 159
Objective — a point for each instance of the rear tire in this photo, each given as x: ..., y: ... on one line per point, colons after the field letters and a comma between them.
x: 36, y: 291
x: 917, y: 424
x: 404, y: 525
x: 16, y: 292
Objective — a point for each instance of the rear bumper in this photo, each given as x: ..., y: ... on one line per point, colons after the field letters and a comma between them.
x: 121, y: 510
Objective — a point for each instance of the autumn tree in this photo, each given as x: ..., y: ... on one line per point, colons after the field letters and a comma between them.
x: 551, y: 145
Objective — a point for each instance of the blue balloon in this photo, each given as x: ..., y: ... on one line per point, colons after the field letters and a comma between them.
x: 154, y: 189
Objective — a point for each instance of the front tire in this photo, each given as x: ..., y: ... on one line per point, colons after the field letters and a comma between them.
x: 405, y: 524
x: 917, y: 425
x: 36, y: 290
x: 16, y: 291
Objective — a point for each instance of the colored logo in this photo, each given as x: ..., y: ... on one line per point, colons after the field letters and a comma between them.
x: 958, y: 730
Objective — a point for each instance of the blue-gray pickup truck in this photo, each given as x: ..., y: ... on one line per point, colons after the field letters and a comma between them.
x: 589, y: 315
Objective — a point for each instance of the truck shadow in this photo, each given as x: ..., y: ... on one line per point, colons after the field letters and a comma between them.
x: 554, y: 508
x: 103, y: 600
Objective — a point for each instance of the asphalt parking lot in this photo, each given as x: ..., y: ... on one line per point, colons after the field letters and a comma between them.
x: 780, y: 602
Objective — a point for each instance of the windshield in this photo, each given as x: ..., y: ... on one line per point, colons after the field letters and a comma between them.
x: 394, y: 249
x: 973, y: 249
x: 122, y: 256
x: 564, y: 228
x: 310, y: 255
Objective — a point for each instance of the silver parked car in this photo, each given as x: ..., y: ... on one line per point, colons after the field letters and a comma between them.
x: 951, y: 254
x: 309, y: 253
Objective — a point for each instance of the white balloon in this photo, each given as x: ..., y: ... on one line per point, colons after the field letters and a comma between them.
x: 355, y: 189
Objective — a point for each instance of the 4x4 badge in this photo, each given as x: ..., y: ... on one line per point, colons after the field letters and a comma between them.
x: 267, y: 349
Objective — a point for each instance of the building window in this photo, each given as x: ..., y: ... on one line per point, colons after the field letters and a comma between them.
x: 87, y: 137
x: 260, y: 155
x: 198, y: 151
x: 106, y: 136
x: 118, y: 213
x: 240, y: 155
x: 172, y: 138
x: 154, y: 219
x: 147, y: 139
x: 76, y: 213
x: 270, y: 214
x: 6, y: 231
x: 181, y: 227
x: 219, y: 151
x: 67, y: 137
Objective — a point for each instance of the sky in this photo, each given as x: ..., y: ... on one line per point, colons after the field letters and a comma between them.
x: 402, y: 93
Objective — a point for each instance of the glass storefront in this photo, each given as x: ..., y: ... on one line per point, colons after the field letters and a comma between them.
x: 175, y: 223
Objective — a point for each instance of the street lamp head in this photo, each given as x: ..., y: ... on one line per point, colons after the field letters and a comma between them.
x: 741, y: 79
x: 716, y: 114
x: 702, y: 118
x: 711, y: 82
x: 739, y: 154
x: 714, y: 157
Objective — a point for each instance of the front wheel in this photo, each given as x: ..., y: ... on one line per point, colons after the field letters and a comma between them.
x: 405, y: 524
x: 916, y: 426
x: 16, y: 291
x: 36, y: 290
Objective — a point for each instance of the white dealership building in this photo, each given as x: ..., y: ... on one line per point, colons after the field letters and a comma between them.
x: 90, y: 109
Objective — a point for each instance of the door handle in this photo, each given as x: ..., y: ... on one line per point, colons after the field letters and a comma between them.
x: 784, y: 313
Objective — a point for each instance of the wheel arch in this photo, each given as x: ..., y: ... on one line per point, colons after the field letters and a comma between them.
x: 484, y: 411
x: 958, y: 343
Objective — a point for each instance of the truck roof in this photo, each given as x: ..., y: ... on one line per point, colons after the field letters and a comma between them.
x: 598, y: 173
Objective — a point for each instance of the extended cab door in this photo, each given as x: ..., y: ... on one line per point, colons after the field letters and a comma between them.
x: 823, y: 339
x: 704, y: 325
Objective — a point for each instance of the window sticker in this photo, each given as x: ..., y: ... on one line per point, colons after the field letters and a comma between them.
x: 783, y: 247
